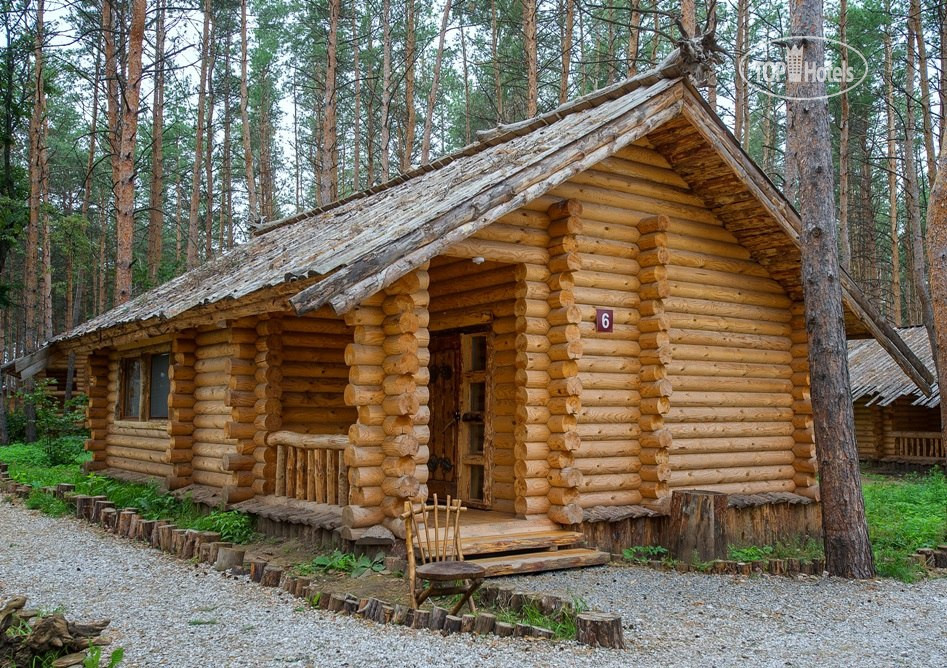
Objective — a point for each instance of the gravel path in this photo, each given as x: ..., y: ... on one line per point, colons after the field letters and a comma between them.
x: 166, y: 613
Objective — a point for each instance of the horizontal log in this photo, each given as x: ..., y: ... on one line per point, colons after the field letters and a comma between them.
x: 686, y: 478
x: 731, y: 459
x: 308, y: 441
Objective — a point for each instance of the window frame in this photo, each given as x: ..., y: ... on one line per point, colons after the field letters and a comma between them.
x: 144, y: 357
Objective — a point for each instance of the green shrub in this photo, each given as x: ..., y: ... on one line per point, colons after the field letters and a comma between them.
x: 904, y: 515
x: 642, y: 554
x: 47, y: 504
x: 233, y: 526
x: 343, y: 562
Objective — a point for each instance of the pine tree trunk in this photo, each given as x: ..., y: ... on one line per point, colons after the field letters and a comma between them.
x: 209, y: 152
x: 494, y: 58
x: 410, y: 56
x: 566, y: 50
x: 329, y: 157
x: 912, y: 193
x: 634, y: 35
x: 156, y: 199
x: 357, y: 115
x: 740, y: 95
x: 435, y: 81
x: 937, y: 253
x: 225, y: 217
x: 809, y: 143
x: 252, y: 206
x: 689, y: 17
x: 125, y: 186
x: 843, y: 188
x: 532, y: 68
x: 93, y: 136
x: 892, y: 158
x: 463, y: 58
x: 926, y: 122
x: 386, y: 90
x: 37, y: 167
x: 193, y: 228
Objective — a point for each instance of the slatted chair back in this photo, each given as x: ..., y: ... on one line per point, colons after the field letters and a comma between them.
x: 434, y: 531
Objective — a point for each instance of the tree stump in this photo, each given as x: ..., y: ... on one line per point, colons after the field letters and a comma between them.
x: 336, y: 602
x: 229, y: 558
x: 438, y: 615
x: 108, y: 518
x: 599, y: 629
x: 452, y: 624
x: 125, y: 520
x: 540, y: 632
x: 351, y: 605
x: 484, y: 623
x: 145, y: 528
x: 98, y: 507
x: 400, y: 613
x: 522, y: 630
x: 81, y: 501
x: 156, y: 533
x: 271, y: 576
x: 467, y: 623
x: 256, y: 568
x: 503, y: 629
x: 422, y: 619
x: 698, y: 525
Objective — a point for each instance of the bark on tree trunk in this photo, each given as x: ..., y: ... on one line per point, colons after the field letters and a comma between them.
x: 156, y: 199
x: 843, y: 158
x: 386, y: 90
x: 937, y: 251
x: 435, y: 81
x: 494, y: 58
x: 193, y: 229
x: 209, y: 152
x: 253, y: 208
x: 36, y: 169
x: 329, y: 157
x: 125, y: 186
x: 848, y: 552
x: 634, y: 34
x: 566, y: 50
x: 357, y: 116
x: 913, y: 196
x: 892, y: 157
x: 410, y: 111
x: 532, y: 70
x: 926, y: 122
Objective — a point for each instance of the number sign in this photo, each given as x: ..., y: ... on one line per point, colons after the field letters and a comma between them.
x: 604, y: 320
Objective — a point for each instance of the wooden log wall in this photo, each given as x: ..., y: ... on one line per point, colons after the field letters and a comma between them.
x: 655, y: 344
x: 406, y: 395
x: 97, y: 410
x: 181, y: 401
x: 867, y: 420
x: 733, y: 415
x: 218, y: 357
x: 364, y: 455
x: 806, y: 477
x: 465, y: 294
x: 268, y: 405
x: 565, y: 349
x: 240, y: 398
x: 139, y: 447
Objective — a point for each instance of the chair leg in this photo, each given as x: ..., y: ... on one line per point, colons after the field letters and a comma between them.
x: 466, y: 598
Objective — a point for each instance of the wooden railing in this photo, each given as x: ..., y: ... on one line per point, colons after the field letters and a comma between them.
x: 919, y: 445
x: 311, y: 467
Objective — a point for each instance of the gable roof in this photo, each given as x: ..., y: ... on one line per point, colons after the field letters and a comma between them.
x: 344, y: 252
x: 882, y: 383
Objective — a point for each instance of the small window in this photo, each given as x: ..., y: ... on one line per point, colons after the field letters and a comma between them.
x: 160, y: 386
x: 145, y: 385
x: 131, y: 392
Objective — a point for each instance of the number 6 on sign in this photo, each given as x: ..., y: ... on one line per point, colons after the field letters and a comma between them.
x: 604, y: 318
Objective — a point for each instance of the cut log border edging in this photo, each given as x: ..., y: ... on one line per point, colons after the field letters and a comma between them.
x: 206, y: 547
x: 782, y: 567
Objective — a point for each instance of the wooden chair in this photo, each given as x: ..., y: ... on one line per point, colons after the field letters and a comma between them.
x: 442, y: 563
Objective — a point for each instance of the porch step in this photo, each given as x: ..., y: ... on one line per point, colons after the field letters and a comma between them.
x: 534, y: 562
x: 520, y: 541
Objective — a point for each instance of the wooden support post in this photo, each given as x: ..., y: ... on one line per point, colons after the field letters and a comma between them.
x: 364, y: 453
x: 805, y: 463
x: 242, y: 424
x: 698, y: 525
x: 564, y: 346
x: 655, y: 355
x: 181, y: 409
x: 97, y: 410
x: 268, y: 393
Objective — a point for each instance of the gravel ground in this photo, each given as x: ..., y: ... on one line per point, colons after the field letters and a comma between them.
x: 166, y: 613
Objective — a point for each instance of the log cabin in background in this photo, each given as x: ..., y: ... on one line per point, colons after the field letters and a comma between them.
x: 561, y: 324
x: 894, y: 420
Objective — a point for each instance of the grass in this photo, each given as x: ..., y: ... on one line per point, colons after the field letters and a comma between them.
x: 643, y: 554
x: 806, y: 550
x: 31, y: 464
x: 905, y: 514
x: 342, y: 562
x: 562, y: 624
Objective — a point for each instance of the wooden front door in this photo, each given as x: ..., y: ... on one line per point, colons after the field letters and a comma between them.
x: 460, y: 444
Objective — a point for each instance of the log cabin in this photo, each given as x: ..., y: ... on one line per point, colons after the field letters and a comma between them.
x: 569, y: 324
x: 894, y: 420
